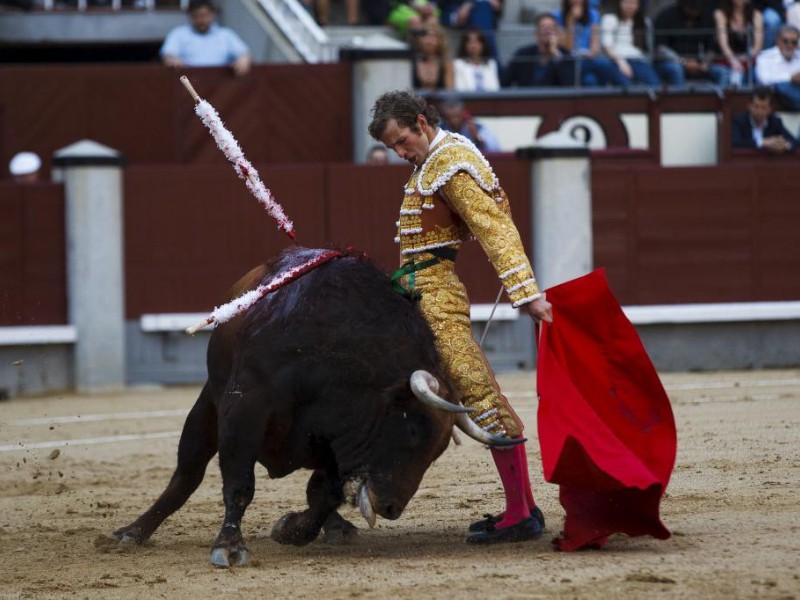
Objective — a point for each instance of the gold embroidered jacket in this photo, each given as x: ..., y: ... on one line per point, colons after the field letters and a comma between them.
x: 455, y: 196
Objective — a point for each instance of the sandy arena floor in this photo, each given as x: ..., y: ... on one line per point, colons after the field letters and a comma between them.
x: 73, y: 468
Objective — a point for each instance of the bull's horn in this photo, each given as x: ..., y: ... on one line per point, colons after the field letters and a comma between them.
x: 465, y: 424
x: 365, y: 505
x: 424, y: 386
x: 455, y: 436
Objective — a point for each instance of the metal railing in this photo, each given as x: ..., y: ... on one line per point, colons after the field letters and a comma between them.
x: 301, y: 30
x: 115, y: 5
x: 659, y: 47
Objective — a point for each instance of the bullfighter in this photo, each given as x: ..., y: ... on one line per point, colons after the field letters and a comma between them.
x: 453, y: 196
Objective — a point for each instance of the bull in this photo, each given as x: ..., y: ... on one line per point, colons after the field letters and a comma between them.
x: 334, y: 372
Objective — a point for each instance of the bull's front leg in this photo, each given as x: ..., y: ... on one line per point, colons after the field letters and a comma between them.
x: 240, y: 437
x: 339, y: 530
x: 197, y: 446
x: 324, y: 495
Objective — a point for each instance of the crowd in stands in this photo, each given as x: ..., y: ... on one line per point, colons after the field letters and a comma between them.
x: 728, y: 43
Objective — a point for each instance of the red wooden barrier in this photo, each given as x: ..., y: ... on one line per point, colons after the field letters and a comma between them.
x: 280, y: 113
x: 33, y: 282
x: 710, y: 234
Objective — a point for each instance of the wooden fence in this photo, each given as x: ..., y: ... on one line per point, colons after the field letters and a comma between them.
x: 708, y: 234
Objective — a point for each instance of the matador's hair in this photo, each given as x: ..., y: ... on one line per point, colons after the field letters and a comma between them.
x: 403, y: 107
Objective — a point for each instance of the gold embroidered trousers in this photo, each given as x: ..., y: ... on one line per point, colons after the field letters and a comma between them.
x: 445, y: 305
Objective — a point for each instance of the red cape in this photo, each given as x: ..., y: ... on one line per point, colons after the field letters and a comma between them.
x: 606, y: 428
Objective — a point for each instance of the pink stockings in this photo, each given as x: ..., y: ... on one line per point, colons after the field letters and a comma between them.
x: 512, y: 465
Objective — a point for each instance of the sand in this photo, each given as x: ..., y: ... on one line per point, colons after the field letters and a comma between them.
x: 69, y: 477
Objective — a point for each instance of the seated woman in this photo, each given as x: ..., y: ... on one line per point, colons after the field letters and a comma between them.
x: 432, y: 68
x: 475, y: 69
x: 740, y: 37
x: 624, y: 38
x: 579, y: 29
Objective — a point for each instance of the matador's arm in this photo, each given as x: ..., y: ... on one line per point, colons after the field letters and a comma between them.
x: 497, y: 234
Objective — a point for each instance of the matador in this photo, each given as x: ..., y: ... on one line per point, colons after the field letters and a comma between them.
x: 453, y: 196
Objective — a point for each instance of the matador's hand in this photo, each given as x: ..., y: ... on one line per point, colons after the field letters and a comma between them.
x: 539, y: 310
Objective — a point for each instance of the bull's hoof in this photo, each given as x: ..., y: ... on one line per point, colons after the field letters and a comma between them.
x: 341, y: 532
x: 225, y: 556
x: 127, y: 536
x: 289, y: 529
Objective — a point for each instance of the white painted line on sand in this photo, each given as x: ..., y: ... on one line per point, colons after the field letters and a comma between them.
x: 88, y: 441
x: 519, y: 394
x: 744, y: 384
x: 102, y: 417
x: 711, y: 385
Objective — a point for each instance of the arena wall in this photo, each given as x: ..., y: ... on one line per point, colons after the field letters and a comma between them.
x: 676, y: 237
x: 719, y: 233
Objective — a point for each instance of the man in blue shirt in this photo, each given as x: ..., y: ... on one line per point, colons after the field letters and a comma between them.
x: 204, y: 43
x: 457, y: 119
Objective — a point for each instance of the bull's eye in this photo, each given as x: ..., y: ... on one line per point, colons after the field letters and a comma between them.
x: 415, y: 433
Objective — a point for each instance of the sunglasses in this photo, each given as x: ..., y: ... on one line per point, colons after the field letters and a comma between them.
x: 789, y: 41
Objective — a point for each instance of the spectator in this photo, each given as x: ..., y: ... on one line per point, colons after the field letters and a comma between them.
x: 482, y: 15
x: 735, y: 21
x: 685, y: 40
x: 779, y: 67
x: 760, y: 128
x: 624, y: 39
x: 24, y: 167
x: 774, y: 14
x: 475, y: 69
x: 204, y: 43
x: 432, y: 67
x: 793, y: 14
x: 457, y: 119
x: 580, y: 34
x: 411, y: 16
x: 544, y: 63
x: 322, y: 8
x: 378, y: 155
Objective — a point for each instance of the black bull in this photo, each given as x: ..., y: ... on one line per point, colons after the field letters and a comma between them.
x: 316, y: 376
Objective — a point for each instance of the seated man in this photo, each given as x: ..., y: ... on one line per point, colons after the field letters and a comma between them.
x: 203, y: 43
x: 779, y: 67
x: 456, y: 118
x: 377, y: 155
x: 760, y: 128
x: 543, y: 63
x: 684, y: 39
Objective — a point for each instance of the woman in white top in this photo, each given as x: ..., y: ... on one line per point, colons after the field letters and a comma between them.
x: 623, y: 36
x: 475, y: 69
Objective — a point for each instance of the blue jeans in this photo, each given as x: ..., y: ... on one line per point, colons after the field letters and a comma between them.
x: 643, y: 72
x: 772, y: 22
x: 671, y: 72
x: 789, y: 95
x: 600, y: 71
x: 720, y: 74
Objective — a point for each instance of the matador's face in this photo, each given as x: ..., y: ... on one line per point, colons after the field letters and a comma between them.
x: 408, y: 144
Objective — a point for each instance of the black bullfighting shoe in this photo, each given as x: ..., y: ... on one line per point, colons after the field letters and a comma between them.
x: 492, y: 520
x: 527, y: 529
